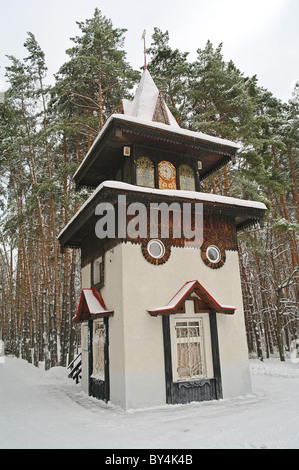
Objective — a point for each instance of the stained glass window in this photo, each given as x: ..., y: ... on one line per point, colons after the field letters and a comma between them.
x: 187, y: 180
x: 145, y: 172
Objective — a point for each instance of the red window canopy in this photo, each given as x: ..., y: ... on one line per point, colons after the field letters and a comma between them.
x: 91, y: 306
x: 203, y: 301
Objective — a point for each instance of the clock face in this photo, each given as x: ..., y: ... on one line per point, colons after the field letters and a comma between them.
x: 166, y: 171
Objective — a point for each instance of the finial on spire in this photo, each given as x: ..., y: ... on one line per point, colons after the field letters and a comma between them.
x: 143, y: 37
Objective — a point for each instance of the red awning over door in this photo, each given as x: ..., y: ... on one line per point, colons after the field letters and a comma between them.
x: 203, y: 301
x: 91, y: 306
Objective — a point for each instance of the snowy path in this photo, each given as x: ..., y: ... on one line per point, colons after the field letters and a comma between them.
x: 46, y: 410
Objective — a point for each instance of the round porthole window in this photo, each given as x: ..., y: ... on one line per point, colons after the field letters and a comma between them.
x: 213, y: 254
x: 156, y: 249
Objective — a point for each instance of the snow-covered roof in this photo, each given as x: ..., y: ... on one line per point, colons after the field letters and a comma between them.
x: 193, y: 195
x: 177, y: 130
x: 141, y: 111
x: 188, y: 288
x: 144, y: 104
x: 91, y: 305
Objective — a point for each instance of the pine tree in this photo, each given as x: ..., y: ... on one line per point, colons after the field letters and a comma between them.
x: 44, y: 134
x: 32, y: 211
x: 278, y: 254
x: 222, y: 99
x: 88, y: 88
x: 96, y: 77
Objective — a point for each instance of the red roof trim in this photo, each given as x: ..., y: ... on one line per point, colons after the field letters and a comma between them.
x: 91, y: 306
x: 177, y: 301
x: 186, y: 293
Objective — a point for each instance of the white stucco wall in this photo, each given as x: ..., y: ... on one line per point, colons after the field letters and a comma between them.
x: 136, y: 358
x: 85, y: 277
x: 132, y: 285
x: 137, y: 376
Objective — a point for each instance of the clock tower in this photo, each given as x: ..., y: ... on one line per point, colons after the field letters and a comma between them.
x: 161, y: 308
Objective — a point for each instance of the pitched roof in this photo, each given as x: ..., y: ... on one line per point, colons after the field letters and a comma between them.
x: 147, y: 120
x: 148, y: 103
x: 91, y: 306
x: 245, y: 212
x: 205, y: 301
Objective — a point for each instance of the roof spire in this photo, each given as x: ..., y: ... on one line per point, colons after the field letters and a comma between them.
x: 144, y: 49
x: 148, y: 103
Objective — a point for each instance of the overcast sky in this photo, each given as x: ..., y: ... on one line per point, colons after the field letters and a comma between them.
x: 260, y: 36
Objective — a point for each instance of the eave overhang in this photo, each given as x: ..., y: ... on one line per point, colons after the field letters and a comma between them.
x: 120, y: 130
x: 203, y: 302
x: 91, y: 306
x: 244, y: 212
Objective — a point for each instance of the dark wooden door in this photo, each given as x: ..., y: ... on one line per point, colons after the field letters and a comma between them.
x: 193, y: 390
x: 99, y: 388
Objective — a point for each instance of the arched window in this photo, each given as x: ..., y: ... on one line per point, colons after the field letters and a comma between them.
x: 145, y: 172
x: 187, y: 180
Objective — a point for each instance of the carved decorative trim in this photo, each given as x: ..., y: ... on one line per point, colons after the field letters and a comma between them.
x: 220, y: 230
x: 195, y: 384
x: 205, y: 259
x: 151, y: 259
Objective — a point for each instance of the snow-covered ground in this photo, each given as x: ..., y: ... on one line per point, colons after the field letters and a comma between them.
x: 42, y: 409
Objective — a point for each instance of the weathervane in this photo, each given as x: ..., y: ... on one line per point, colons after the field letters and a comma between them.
x: 143, y: 37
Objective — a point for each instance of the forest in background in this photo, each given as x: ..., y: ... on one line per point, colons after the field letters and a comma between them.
x: 45, y: 132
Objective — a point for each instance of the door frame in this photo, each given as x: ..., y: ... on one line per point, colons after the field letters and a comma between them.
x: 193, y: 390
x: 99, y: 388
